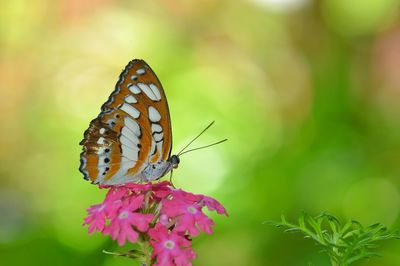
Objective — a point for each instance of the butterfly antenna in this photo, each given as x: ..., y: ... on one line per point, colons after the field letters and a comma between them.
x: 203, y: 147
x: 201, y: 133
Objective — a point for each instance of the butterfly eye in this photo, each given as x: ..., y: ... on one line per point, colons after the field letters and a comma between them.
x: 175, y: 161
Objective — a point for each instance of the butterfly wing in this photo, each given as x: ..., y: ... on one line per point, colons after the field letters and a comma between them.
x: 132, y: 130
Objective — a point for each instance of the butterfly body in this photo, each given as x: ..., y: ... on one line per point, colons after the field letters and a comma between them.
x: 131, y: 139
x: 160, y: 169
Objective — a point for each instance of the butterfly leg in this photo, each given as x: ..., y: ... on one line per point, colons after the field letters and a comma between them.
x: 170, y: 179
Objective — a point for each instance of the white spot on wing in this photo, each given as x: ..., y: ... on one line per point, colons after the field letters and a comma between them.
x: 156, y: 128
x: 153, y: 147
x: 129, y: 153
x: 102, y: 130
x: 140, y: 71
x: 146, y: 89
x: 133, y: 77
x: 130, y: 99
x: 121, y: 177
x: 132, y: 125
x: 155, y: 91
x: 128, y: 141
x: 133, y: 88
x: 158, y: 136
x: 101, y: 166
x: 127, y: 163
x: 159, y: 146
x: 157, y: 132
x: 111, y: 122
x: 124, y: 166
x: 100, y: 141
x: 100, y: 150
x: 129, y: 135
x: 130, y: 110
x: 154, y: 115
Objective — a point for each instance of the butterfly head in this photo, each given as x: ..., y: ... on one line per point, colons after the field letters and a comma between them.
x: 174, y: 160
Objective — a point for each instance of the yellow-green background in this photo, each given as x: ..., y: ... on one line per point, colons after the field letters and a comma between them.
x: 307, y: 92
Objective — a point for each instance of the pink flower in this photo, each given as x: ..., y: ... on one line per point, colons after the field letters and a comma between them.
x: 100, y: 212
x: 214, y: 205
x: 115, y: 194
x: 170, y: 248
x: 186, y: 196
x: 163, y: 219
x: 120, y: 227
x: 96, y: 218
x: 190, y: 216
x: 137, y: 188
x: 164, y: 215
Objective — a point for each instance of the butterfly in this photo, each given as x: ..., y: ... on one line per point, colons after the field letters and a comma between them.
x: 131, y: 139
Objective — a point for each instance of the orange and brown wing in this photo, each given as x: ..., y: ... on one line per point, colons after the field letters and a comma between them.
x: 133, y: 129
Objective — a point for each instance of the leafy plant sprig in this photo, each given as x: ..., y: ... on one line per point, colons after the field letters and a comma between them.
x: 344, y: 243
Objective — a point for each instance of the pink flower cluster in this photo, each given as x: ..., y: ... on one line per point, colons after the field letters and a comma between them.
x: 168, y: 218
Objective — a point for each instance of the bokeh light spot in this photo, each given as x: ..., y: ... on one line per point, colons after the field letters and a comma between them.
x: 202, y: 171
x: 372, y: 200
x: 358, y: 17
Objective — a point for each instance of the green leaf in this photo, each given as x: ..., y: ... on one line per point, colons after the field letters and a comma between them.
x: 133, y: 254
x: 301, y: 220
x: 344, y: 243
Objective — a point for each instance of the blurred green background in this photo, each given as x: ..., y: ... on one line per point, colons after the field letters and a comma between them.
x: 307, y: 92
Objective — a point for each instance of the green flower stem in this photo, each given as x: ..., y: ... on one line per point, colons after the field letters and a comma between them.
x: 334, y: 263
x: 144, y: 243
x: 144, y: 240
